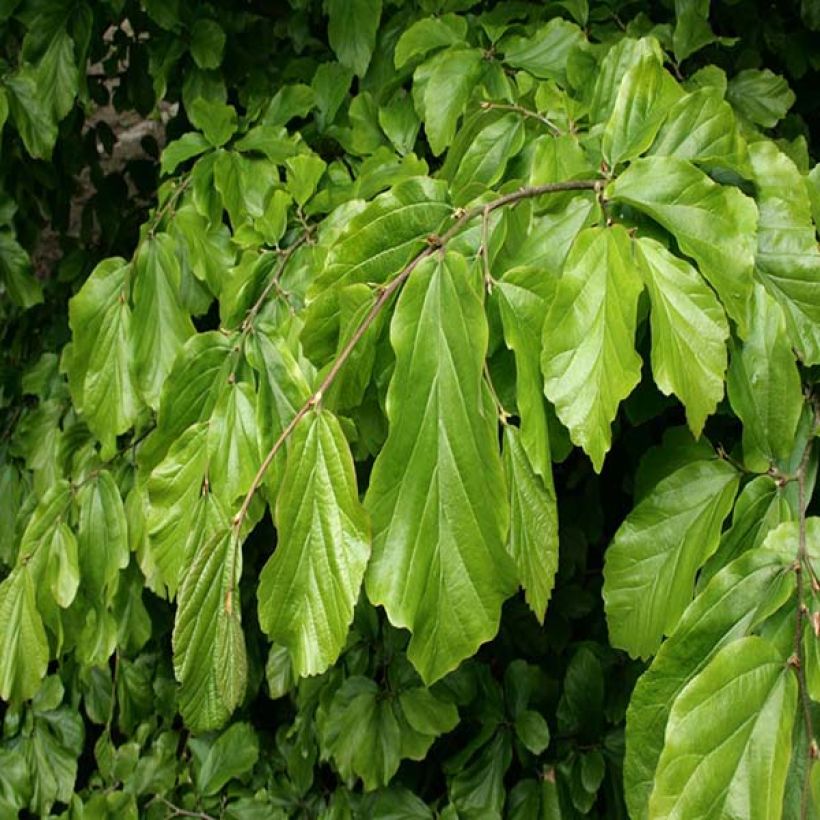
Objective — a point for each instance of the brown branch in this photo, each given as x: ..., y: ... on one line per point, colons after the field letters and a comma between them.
x: 462, y: 217
x: 798, y: 661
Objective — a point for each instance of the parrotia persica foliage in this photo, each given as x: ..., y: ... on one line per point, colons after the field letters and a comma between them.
x: 408, y: 409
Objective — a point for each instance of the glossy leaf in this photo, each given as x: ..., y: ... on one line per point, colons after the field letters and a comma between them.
x: 651, y: 563
x: 689, y: 333
x: 588, y: 357
x: 764, y: 387
x: 309, y: 586
x: 160, y: 325
x: 24, y: 654
x: 701, y: 128
x: 712, y: 223
x: 533, y: 538
x: 646, y: 93
x: 101, y: 371
x: 744, y: 756
x: 210, y: 661
x: 449, y: 79
x: 761, y: 96
x: 737, y: 599
x: 436, y: 494
x: 788, y: 261
x: 352, y: 31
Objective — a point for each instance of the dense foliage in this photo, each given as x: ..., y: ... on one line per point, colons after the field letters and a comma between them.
x: 408, y: 409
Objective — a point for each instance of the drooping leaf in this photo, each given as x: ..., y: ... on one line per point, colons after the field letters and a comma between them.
x: 712, y: 223
x: 362, y: 734
x: 701, y: 128
x: 645, y: 95
x: 545, y: 54
x: 210, y: 661
x: 102, y: 537
x: 746, y: 753
x: 761, y: 506
x: 651, y: 563
x: 689, y: 333
x: 448, y: 80
x: 352, y: 31
x: 177, y: 488
x: 588, y: 357
x: 101, y: 373
x: 436, y: 494
x: 160, y: 325
x: 16, y: 273
x: 764, y: 387
x: 762, y: 96
x: 427, y: 34
x: 788, y: 260
x: 692, y: 29
x: 233, y: 449
x: 231, y: 755
x: 24, y: 655
x: 533, y: 539
x: 735, y: 601
x: 309, y: 586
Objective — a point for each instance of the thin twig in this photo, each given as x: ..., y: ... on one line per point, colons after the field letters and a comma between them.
x: 176, y: 811
x: 487, y: 105
x: 169, y: 204
x: 462, y: 217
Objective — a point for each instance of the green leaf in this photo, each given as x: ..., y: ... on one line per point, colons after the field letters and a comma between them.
x: 182, y: 514
x: 618, y: 60
x: 352, y: 31
x: 57, y: 75
x: 735, y: 601
x: 102, y: 537
x: 290, y: 101
x: 692, y: 29
x: 588, y: 357
x: 478, y: 788
x: 231, y: 755
x: 160, y: 325
x: 545, y: 54
x: 788, y: 261
x: 426, y: 713
x: 701, y: 127
x: 30, y: 112
x: 532, y: 730
x: 361, y: 733
x: 52, y: 750
x: 645, y: 95
x: 762, y: 96
x: 399, y: 121
x: 178, y: 151
x: 309, y: 586
x: 209, y: 647
x: 650, y: 565
x: 330, y: 84
x: 217, y: 121
x: 16, y: 273
x: 233, y: 448
x: 304, y: 173
x: 761, y: 506
x: 448, y: 80
x: 436, y: 494
x: 485, y: 160
x: 63, y: 566
x: 712, y: 223
x: 422, y: 36
x: 283, y: 389
x: 764, y: 387
x: 207, y: 43
x: 689, y: 333
x: 746, y: 753
x: 100, y: 374
x: 533, y: 538
x: 24, y: 655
